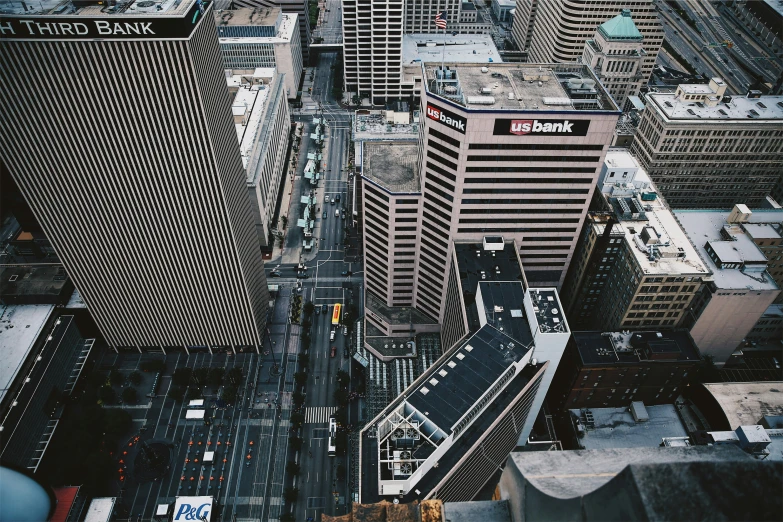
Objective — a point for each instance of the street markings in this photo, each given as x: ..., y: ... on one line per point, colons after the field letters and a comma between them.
x: 319, y: 414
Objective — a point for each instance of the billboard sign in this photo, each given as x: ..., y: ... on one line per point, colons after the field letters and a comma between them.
x: 116, y: 27
x: 192, y: 509
x: 506, y: 127
x: 447, y: 118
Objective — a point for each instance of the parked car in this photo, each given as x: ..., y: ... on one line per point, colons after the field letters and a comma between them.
x: 324, y: 214
x: 337, y: 213
x: 345, y: 330
x: 332, y: 201
x: 346, y: 353
x: 274, y: 273
x: 317, y: 310
x: 337, y: 198
x: 334, y: 350
x: 324, y: 308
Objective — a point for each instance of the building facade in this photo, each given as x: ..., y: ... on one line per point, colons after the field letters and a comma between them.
x: 156, y: 233
x: 556, y: 32
x: 616, y: 53
x: 250, y: 39
x: 263, y: 125
x: 511, y: 150
x: 609, y: 370
x: 704, y: 149
x: 297, y: 7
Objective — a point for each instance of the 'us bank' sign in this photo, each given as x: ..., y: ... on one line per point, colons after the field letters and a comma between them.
x: 109, y: 27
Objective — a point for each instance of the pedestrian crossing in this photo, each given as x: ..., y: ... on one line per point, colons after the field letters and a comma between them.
x: 319, y: 414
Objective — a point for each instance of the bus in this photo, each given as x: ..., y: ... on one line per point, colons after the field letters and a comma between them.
x: 332, y: 436
x: 332, y: 448
x: 336, y: 314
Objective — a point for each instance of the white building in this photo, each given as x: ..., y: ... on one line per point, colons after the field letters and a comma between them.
x: 263, y: 126
x: 616, y: 54
x: 266, y: 37
x: 502, y: 9
x: 556, y: 31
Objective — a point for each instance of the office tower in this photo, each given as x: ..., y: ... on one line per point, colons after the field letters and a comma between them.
x: 511, y: 150
x: 449, y: 432
x: 129, y: 160
x: 740, y: 289
x: 297, y: 7
x: 705, y: 149
x: 615, y: 53
x: 556, y: 31
x: 253, y: 38
x: 263, y: 125
x: 634, y: 268
x: 612, y: 369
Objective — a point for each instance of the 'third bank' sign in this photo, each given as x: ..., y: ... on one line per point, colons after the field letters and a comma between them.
x: 505, y: 127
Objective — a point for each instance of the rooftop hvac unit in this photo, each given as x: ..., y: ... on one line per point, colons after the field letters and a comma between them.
x: 481, y: 100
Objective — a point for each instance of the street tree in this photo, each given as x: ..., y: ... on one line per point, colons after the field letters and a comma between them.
x: 176, y: 393
x: 134, y: 378
x: 304, y: 360
x: 200, y: 376
x: 117, y: 378
x: 340, y: 472
x: 296, y: 443
x: 129, y: 395
x: 194, y: 392
x: 341, y: 396
x: 291, y: 494
x: 309, y: 307
x: 297, y: 419
x: 300, y: 378
x: 234, y: 376
x: 343, y: 378
x: 182, y: 376
x: 294, y: 468
x: 216, y: 376
x: 229, y: 394
x: 107, y: 395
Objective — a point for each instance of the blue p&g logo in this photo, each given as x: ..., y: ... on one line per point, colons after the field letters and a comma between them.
x: 192, y: 513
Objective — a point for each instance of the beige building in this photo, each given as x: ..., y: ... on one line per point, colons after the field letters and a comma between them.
x: 635, y: 267
x: 616, y: 54
x: 556, y: 31
x: 261, y: 38
x: 704, y: 149
x: 739, y: 290
x: 263, y: 126
x: 508, y: 150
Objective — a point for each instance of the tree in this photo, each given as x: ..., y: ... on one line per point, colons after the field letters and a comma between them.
x: 229, y: 394
x: 300, y: 378
x: 309, y: 308
x: 117, y: 378
x: 340, y: 472
x: 155, y: 366
x: 343, y: 378
x: 291, y: 494
x: 287, y: 517
x: 194, y: 392
x: 182, y: 376
x: 134, y: 378
x: 200, y: 376
x: 107, y: 395
x: 304, y: 360
x: 284, y: 221
x: 297, y: 419
x: 116, y: 423
x: 130, y: 395
x: 294, y: 468
x: 341, y: 416
x: 356, y: 99
x: 298, y: 399
x: 176, y: 393
x: 216, y: 376
x: 234, y: 376
x: 296, y: 443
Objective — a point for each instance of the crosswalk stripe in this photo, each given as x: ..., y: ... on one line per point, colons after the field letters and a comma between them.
x: 319, y: 414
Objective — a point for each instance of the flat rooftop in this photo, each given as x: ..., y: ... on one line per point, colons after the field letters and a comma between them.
x: 519, y: 87
x: 502, y: 306
x: 616, y: 427
x: 284, y: 34
x: 739, y: 109
x: 674, y: 252
x: 372, y: 125
x: 20, y: 326
x: 144, y: 8
x: 570, y: 474
x: 746, y: 403
x: 764, y: 230
x: 465, y: 48
x: 391, y: 165
x: 596, y: 348
x: 705, y: 226
x: 247, y: 16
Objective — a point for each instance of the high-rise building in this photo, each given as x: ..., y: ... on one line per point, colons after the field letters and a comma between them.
x: 511, y: 150
x: 616, y: 53
x: 740, y: 290
x: 129, y: 159
x: 704, y: 149
x: 556, y: 31
x: 634, y: 268
x: 297, y: 7
x: 253, y: 38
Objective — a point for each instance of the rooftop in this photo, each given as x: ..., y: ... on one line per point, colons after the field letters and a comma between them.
x: 126, y: 9
x: 569, y: 474
x: 284, y: 33
x: 20, y: 326
x: 100, y: 509
x: 621, y: 27
x: 731, y: 108
x: 746, y: 403
x: 465, y: 48
x: 25, y: 284
x: 616, y: 427
x: 764, y: 230
x: 730, y: 244
x: 596, y: 348
x: 372, y: 125
x: 519, y: 87
x: 391, y: 165
x: 247, y: 16
x: 483, y: 510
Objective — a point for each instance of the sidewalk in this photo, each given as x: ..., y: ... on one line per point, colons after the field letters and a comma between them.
x: 291, y: 173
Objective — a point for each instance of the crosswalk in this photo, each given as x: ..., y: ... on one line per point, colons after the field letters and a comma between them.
x: 319, y: 414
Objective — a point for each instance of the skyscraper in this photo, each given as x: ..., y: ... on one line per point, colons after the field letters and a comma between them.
x: 116, y: 127
x: 557, y: 31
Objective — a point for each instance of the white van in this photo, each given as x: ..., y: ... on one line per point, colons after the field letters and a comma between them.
x: 337, y: 213
x: 331, y: 336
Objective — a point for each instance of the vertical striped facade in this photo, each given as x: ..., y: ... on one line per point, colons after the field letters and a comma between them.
x: 126, y: 152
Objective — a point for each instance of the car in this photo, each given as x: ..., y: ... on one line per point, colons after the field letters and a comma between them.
x: 331, y: 336
x: 274, y: 274
x: 337, y: 198
x: 334, y: 350
x: 324, y: 308
x: 346, y: 353
x: 317, y: 310
x: 324, y: 214
x: 332, y: 201
x: 345, y: 273
x: 302, y: 275
x: 345, y: 330
x: 337, y: 213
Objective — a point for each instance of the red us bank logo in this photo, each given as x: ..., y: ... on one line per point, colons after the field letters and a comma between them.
x: 447, y: 118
